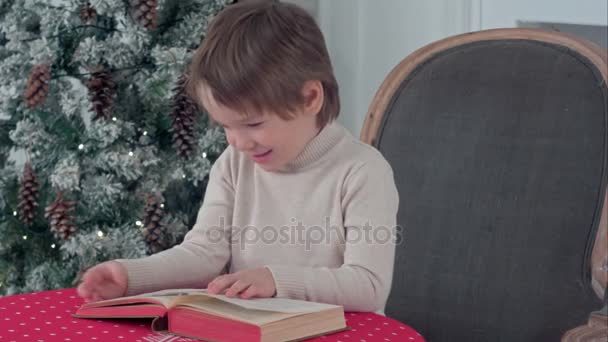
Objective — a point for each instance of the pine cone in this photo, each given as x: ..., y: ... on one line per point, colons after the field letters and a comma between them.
x: 88, y: 13
x: 183, y: 113
x: 145, y: 12
x: 28, y: 195
x: 102, y: 90
x: 60, y: 214
x: 154, y: 230
x: 37, y: 85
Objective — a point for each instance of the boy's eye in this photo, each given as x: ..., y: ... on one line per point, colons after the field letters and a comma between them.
x: 255, y: 124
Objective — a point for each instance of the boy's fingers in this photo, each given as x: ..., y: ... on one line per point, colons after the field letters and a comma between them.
x: 250, y: 292
x: 237, y: 288
x: 220, y: 283
x: 85, y: 293
x: 83, y: 289
x: 86, y: 287
x: 95, y: 297
x: 91, y: 276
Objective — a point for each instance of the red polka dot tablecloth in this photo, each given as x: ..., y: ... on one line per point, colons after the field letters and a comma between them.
x: 47, y: 317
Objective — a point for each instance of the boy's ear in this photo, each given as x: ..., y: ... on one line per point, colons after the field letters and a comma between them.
x: 314, y: 96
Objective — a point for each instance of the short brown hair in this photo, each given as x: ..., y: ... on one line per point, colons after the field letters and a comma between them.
x: 259, y: 54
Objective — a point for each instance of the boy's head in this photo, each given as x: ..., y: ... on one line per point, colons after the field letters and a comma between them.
x: 264, y: 68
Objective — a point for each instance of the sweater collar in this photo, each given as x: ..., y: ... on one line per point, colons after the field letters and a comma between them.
x: 322, y: 143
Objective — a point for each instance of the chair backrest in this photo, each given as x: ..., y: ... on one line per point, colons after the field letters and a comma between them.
x: 498, y: 142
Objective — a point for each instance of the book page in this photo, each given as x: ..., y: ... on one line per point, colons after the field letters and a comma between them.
x: 225, y: 309
x: 282, y: 305
x: 173, y: 297
x: 164, y: 297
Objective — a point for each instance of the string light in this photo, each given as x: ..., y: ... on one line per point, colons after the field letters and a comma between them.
x: 130, y: 153
x: 184, y: 176
x: 53, y: 246
x: 138, y: 223
x: 145, y: 132
x: 162, y: 205
x: 81, y: 147
x: 204, y: 154
x: 24, y: 237
x: 114, y: 119
x: 14, y: 213
x: 100, y: 233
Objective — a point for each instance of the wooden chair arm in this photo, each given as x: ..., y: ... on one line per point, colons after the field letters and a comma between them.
x: 599, y: 256
x: 596, y: 329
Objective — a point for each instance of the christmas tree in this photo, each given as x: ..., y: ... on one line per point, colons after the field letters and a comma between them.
x: 103, y: 155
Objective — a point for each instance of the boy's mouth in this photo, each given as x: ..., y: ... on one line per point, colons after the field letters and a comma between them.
x: 260, y: 157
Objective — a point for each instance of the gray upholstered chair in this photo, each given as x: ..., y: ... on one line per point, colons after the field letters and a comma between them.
x: 498, y: 141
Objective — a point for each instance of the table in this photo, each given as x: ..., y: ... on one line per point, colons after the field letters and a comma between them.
x: 46, y: 317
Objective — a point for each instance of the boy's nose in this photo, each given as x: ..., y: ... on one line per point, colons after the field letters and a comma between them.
x: 242, y: 144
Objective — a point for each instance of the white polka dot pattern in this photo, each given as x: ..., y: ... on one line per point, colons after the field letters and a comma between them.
x: 47, y: 317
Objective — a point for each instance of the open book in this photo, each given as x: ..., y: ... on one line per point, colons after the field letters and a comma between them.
x: 198, y: 314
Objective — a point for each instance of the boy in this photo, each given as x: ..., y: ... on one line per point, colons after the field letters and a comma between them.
x: 295, y: 207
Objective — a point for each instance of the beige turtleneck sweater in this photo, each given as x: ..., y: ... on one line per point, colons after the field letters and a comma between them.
x: 324, y: 226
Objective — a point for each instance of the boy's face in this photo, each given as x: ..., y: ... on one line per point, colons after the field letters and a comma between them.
x: 267, y: 139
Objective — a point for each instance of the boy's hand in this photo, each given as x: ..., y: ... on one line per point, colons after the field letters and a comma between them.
x: 105, y: 281
x: 245, y: 284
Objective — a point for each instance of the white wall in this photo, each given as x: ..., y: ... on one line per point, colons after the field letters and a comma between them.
x: 367, y: 38
x: 502, y: 13
x: 312, y: 6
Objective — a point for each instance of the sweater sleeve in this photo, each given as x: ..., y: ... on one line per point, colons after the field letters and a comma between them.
x: 369, y: 202
x: 205, y: 250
